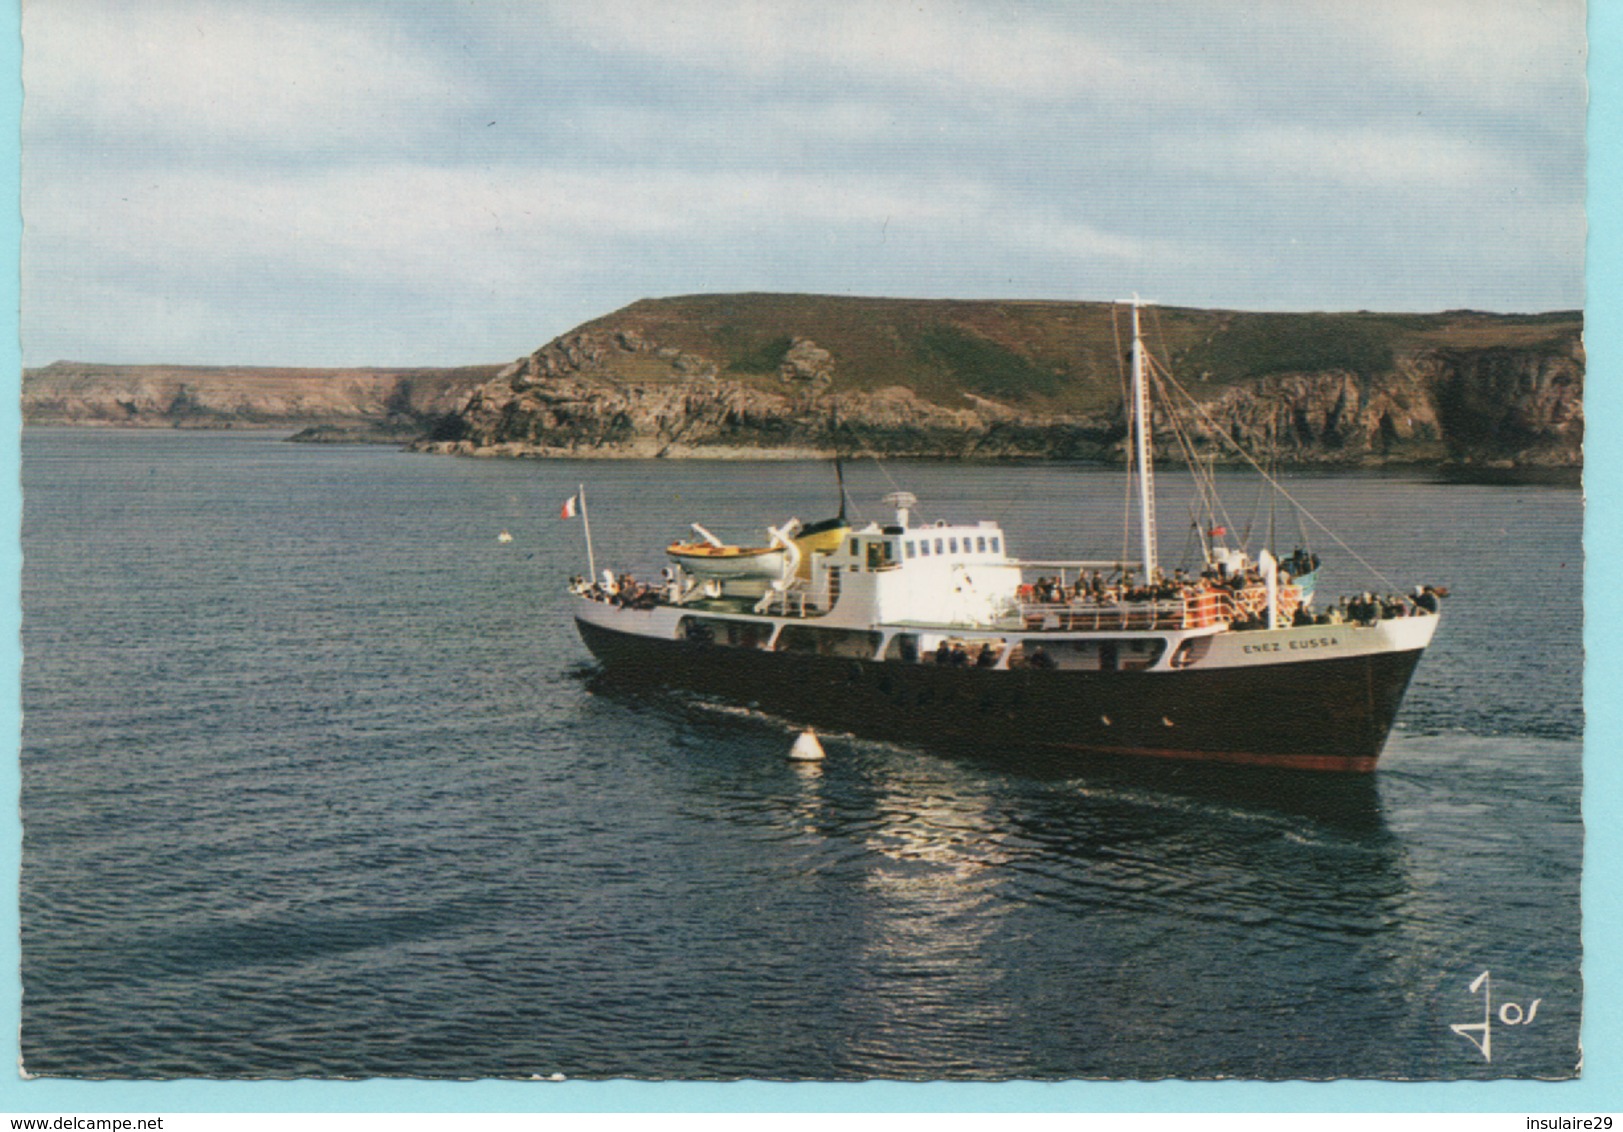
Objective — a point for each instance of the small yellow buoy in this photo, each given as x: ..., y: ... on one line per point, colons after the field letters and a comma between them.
x: 806, y: 748
x: 504, y: 537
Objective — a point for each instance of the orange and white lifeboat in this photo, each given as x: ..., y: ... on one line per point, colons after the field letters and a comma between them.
x: 709, y: 557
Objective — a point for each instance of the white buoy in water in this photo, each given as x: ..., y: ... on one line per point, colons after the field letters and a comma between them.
x: 504, y: 537
x: 806, y: 749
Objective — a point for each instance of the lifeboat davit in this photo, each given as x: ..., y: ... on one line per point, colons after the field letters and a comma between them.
x: 709, y: 557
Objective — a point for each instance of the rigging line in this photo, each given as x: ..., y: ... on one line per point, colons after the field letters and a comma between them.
x: 1301, y: 533
x: 1205, y: 481
x: 1205, y: 491
x: 1127, y: 499
x: 1246, y: 456
x: 1207, y: 496
x: 879, y: 462
x: 1203, y: 536
x: 1166, y: 360
x: 1204, y: 472
x: 884, y: 471
x: 1168, y: 378
x: 1206, y: 477
x: 1273, y: 463
x: 1157, y: 375
x: 1264, y: 496
x: 1209, y: 469
x: 1256, y: 508
x: 1189, y: 537
x: 1187, y: 447
x: 1183, y: 447
x: 1205, y: 485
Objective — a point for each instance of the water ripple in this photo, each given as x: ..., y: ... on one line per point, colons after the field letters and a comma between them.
x: 343, y: 798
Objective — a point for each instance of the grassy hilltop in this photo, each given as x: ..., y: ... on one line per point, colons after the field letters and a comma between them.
x: 1048, y: 355
x: 765, y: 374
x: 715, y: 375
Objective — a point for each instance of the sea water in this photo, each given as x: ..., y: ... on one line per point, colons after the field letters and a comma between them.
x: 317, y: 781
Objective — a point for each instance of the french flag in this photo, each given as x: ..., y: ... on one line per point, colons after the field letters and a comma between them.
x: 571, y: 505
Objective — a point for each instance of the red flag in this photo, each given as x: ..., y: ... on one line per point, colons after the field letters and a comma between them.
x: 570, y: 506
x: 1218, y: 532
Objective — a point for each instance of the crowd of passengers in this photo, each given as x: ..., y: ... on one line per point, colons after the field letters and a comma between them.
x: 955, y: 655
x: 1095, y: 589
x: 1361, y: 609
x: 622, y: 590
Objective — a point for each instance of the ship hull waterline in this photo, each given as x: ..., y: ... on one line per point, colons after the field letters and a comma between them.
x: 1323, y: 715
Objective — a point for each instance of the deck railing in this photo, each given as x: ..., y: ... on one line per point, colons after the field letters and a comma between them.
x: 1195, y: 610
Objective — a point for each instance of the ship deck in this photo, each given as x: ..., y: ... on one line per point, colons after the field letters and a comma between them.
x: 1210, y: 609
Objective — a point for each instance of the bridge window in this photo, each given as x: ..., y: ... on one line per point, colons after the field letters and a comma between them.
x: 980, y: 544
x: 994, y: 545
x: 952, y: 545
x: 924, y: 547
x: 881, y: 555
x: 938, y: 548
x: 910, y: 548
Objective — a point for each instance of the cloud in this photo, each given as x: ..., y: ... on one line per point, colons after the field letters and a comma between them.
x: 362, y: 235
x: 433, y: 222
x: 132, y: 319
x: 190, y: 164
x: 1488, y: 50
x: 1018, y: 52
x: 1369, y: 158
x: 209, y: 73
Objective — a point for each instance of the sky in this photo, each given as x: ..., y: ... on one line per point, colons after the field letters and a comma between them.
x: 322, y: 183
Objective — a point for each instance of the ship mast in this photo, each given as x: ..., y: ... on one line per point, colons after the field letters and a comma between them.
x: 1141, y: 429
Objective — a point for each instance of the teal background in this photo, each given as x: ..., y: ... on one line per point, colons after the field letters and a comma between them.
x: 1596, y: 1091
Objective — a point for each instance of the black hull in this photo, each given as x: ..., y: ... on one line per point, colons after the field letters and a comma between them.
x: 1319, y: 715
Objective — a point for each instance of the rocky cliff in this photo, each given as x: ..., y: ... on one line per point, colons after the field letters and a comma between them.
x: 797, y: 375
x: 1493, y: 407
x: 395, y: 405
x: 800, y: 375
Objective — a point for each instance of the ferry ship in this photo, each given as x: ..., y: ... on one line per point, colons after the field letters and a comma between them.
x: 937, y: 634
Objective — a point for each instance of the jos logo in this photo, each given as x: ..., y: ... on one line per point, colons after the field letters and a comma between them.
x: 1480, y: 1034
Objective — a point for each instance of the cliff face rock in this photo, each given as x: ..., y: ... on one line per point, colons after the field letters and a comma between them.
x: 1495, y: 408
x: 1335, y: 417
x: 620, y: 393
x: 765, y: 375
x: 652, y: 382
x: 574, y: 416
x: 807, y: 363
x: 399, y: 403
x: 1508, y: 406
